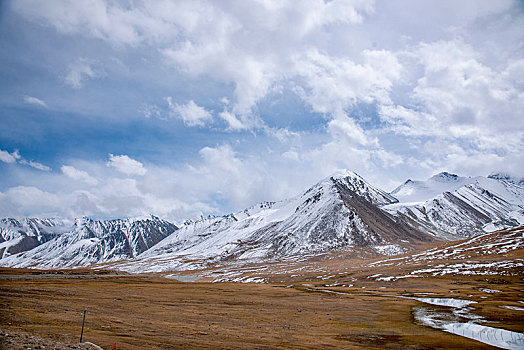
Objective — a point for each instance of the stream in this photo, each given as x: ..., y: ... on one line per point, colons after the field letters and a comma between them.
x: 455, y: 316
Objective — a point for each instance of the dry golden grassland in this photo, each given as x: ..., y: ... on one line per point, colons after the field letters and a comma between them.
x: 150, y: 313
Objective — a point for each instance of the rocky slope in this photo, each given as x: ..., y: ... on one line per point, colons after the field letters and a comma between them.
x: 341, y: 212
x: 465, y: 207
x: 90, y: 241
x: 20, y: 235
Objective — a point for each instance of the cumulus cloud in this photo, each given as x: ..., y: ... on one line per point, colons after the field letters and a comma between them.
x: 34, y: 101
x: 465, y: 94
x: 29, y: 200
x: 460, y: 108
x: 255, y: 45
x: 248, y: 44
x: 7, y: 157
x: 236, y: 179
x: 81, y: 70
x: 103, y: 20
x: 221, y: 179
x: 76, y: 174
x: 232, y: 121
x: 126, y: 165
x: 15, y: 157
x: 190, y: 113
x: 333, y: 84
x: 398, y: 95
x: 343, y: 127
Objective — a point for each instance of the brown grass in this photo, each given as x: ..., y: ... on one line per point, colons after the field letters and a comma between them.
x: 150, y: 313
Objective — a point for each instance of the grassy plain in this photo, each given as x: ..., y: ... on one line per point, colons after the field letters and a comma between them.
x: 329, y: 301
x: 158, y: 313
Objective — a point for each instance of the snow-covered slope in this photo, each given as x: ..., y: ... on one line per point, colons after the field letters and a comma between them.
x: 469, y: 206
x: 90, y: 241
x: 507, y: 178
x: 493, y: 253
x: 419, y: 191
x: 339, y: 212
x: 20, y: 235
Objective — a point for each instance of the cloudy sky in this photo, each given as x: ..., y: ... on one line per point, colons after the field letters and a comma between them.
x: 183, y: 108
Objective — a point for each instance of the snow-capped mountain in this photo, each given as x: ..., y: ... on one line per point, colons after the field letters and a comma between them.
x: 20, y: 235
x: 90, y: 241
x: 464, y: 206
x: 339, y: 212
x: 507, y: 178
x: 419, y: 191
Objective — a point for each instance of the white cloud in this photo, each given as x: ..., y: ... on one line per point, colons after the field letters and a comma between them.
x: 402, y: 95
x: 460, y: 108
x: 100, y: 19
x: 341, y: 126
x: 232, y: 121
x: 14, y: 157
x: 247, y: 44
x: 34, y: 101
x: 221, y: 179
x: 7, y: 157
x: 151, y: 111
x: 223, y: 173
x: 35, y: 165
x: 81, y: 70
x: 29, y: 201
x: 126, y: 165
x: 291, y: 155
x: 75, y: 174
x: 254, y: 45
x: 325, y: 45
x: 16, y: 154
x: 333, y: 84
x: 458, y: 96
x: 190, y: 113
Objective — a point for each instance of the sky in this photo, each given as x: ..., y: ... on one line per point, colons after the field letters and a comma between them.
x: 179, y: 109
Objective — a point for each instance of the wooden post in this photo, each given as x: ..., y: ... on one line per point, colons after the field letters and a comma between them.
x: 83, y: 321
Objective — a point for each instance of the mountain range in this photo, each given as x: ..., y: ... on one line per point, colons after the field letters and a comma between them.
x: 341, y: 212
x: 449, y: 204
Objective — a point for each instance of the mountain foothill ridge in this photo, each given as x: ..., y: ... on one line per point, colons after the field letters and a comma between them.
x: 341, y: 212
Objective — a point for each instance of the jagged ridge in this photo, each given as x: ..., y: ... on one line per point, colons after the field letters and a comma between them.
x: 468, y: 207
x: 342, y: 211
x: 90, y: 241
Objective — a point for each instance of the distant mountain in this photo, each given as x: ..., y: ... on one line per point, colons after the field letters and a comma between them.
x: 20, y: 235
x: 418, y: 191
x: 341, y: 212
x: 507, y: 178
x: 448, y: 204
x: 90, y: 241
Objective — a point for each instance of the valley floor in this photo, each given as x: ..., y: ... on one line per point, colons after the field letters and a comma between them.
x: 144, y: 312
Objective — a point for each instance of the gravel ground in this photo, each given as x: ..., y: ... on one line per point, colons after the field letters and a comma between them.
x: 24, y: 341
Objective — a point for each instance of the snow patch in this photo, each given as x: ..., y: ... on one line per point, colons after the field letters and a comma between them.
x: 389, y: 249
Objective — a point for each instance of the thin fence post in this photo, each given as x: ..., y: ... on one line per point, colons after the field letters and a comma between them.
x: 83, y: 321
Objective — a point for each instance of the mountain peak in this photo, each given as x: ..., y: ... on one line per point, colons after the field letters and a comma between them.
x: 83, y: 221
x: 340, y: 212
x: 445, y: 176
x: 355, y: 183
x: 506, y: 177
x: 419, y: 191
x: 343, y: 174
